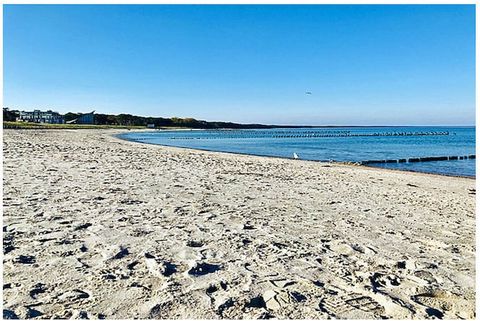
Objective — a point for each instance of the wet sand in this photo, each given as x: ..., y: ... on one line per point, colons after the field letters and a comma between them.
x: 98, y: 227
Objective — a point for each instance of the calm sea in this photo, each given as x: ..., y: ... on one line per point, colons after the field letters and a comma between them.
x: 346, y: 144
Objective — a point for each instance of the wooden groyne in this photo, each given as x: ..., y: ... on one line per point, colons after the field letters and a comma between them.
x: 310, y: 134
x: 418, y: 159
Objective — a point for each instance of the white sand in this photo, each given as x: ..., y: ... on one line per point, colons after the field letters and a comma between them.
x: 99, y: 227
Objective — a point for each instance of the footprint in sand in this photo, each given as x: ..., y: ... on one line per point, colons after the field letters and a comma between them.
x: 25, y: 259
x: 280, y: 298
x: 9, y: 314
x: 217, y: 293
x: 7, y: 243
x: 80, y: 314
x: 203, y: 268
x: 426, y: 276
x: 123, y: 251
x: 82, y: 226
x: 194, y: 243
x: 107, y: 275
x: 39, y: 288
x: 441, y: 302
x: 351, y: 305
x: 382, y: 280
x: 406, y: 264
x: 214, y: 287
x: 115, y: 253
x: 32, y: 313
x: 74, y: 295
x: 158, y: 267
x: 339, y: 247
x: 367, y: 250
x: 282, y: 283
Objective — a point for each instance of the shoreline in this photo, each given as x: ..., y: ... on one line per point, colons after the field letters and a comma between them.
x: 306, y: 160
x: 100, y: 227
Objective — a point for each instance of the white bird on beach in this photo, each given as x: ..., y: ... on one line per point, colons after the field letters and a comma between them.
x: 295, y: 156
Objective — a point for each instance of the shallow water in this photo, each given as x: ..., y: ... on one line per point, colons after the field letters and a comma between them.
x: 346, y: 144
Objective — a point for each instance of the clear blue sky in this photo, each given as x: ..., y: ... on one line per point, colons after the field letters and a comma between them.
x: 365, y: 65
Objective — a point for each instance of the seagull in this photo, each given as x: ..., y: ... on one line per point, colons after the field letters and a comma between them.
x: 295, y: 156
x: 308, y: 93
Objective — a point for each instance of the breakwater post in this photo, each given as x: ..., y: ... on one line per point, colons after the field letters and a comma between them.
x: 418, y: 159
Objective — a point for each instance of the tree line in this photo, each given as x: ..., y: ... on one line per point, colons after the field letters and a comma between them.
x: 10, y: 115
x: 132, y: 120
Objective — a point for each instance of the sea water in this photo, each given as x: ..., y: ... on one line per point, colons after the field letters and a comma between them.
x: 345, y: 144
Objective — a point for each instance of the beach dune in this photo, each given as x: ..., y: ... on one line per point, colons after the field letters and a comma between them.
x: 98, y: 227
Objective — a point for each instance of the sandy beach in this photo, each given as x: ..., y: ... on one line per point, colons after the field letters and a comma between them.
x: 97, y: 227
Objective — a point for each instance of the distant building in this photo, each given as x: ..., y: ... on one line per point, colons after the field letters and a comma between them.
x: 38, y: 116
x: 150, y: 125
x: 88, y: 118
